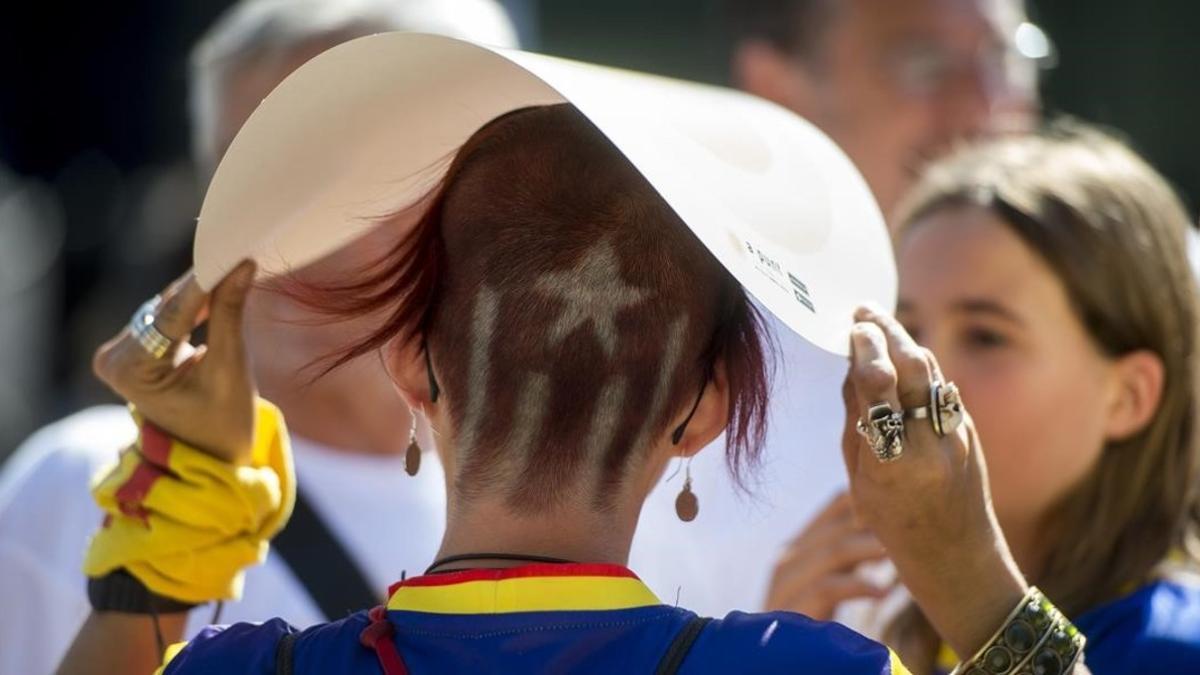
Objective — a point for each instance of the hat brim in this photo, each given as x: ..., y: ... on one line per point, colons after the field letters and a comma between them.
x: 366, y: 127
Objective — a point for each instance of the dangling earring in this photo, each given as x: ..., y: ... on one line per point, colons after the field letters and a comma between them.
x: 687, y: 505
x: 412, y: 456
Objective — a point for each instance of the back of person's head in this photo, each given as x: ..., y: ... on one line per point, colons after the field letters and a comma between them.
x: 1113, y: 232
x: 568, y: 314
x: 280, y: 32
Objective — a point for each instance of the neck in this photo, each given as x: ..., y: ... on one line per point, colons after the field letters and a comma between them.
x: 571, y: 532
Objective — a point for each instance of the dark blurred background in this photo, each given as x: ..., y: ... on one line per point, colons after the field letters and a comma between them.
x: 97, y: 191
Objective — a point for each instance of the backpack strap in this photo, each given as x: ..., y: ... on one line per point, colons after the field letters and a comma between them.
x: 681, y: 645
x: 377, y: 636
x: 283, y: 654
x: 322, y: 564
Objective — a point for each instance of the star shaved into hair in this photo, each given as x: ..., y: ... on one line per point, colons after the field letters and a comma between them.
x: 592, y: 292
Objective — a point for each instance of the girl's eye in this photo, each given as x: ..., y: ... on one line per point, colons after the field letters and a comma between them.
x: 983, y: 338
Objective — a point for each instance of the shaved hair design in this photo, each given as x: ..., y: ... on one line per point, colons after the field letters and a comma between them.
x: 569, y: 314
x: 592, y: 294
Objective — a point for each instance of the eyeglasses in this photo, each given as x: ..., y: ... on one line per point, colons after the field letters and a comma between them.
x: 924, y: 69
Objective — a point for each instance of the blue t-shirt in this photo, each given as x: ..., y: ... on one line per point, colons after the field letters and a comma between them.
x: 1155, y: 630
x: 541, y: 619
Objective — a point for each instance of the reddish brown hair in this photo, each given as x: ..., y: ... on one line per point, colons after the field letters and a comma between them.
x: 528, y: 203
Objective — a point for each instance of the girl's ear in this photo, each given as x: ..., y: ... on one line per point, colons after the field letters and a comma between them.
x: 1138, y: 391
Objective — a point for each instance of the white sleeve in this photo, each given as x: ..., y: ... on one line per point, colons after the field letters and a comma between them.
x: 41, y: 614
x: 46, y: 517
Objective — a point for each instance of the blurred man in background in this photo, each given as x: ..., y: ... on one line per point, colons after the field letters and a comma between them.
x: 330, y: 560
x: 893, y: 82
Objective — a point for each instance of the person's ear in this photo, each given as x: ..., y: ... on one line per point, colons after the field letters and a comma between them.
x: 709, y: 419
x: 764, y: 70
x: 1139, y: 380
x: 409, y: 370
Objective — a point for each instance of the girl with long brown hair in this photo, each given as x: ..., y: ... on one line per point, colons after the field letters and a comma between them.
x: 1049, y: 276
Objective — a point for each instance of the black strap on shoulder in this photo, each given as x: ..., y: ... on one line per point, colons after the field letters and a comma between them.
x: 283, y: 654
x: 322, y: 565
x: 681, y: 645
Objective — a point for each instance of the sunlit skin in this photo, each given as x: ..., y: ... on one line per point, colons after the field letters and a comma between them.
x: 897, y: 82
x: 1043, y: 396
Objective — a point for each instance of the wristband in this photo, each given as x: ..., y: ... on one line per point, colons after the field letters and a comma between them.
x: 120, y: 591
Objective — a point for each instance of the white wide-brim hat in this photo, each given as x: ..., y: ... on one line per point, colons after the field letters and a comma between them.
x: 365, y: 128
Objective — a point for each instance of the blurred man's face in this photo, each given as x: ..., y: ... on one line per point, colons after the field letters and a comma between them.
x: 897, y: 81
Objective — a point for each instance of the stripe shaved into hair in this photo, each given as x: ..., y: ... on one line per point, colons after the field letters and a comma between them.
x: 672, y: 350
x: 530, y: 412
x: 483, y: 328
x: 610, y: 405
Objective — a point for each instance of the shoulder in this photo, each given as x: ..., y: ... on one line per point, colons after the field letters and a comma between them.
x: 1155, y: 629
x: 244, y: 648
x: 252, y: 648
x: 51, y: 473
x: 40, y: 579
x: 786, y: 642
x: 71, y: 447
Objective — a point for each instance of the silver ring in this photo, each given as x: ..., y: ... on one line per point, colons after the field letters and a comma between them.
x: 142, y: 328
x: 945, y: 409
x: 884, y: 431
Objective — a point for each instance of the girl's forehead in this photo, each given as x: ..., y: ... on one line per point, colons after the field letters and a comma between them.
x: 955, y: 256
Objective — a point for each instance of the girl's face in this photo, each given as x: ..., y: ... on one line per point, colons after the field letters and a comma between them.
x: 1001, y: 326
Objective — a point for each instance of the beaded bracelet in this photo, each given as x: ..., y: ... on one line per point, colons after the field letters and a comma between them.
x: 1035, y: 639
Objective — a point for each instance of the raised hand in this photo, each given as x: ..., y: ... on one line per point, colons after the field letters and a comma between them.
x: 929, y: 507
x: 203, y: 395
x: 818, y: 569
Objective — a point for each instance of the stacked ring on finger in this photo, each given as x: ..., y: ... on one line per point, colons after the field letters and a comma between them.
x: 884, y: 431
x: 945, y: 409
x: 142, y: 328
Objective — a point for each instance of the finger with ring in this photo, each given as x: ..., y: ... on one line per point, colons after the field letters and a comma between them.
x: 945, y: 409
x: 143, y: 330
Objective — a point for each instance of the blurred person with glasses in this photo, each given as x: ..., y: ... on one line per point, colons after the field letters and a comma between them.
x: 894, y: 82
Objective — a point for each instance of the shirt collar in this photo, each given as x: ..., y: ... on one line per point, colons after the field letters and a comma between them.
x: 527, y: 588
